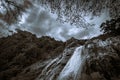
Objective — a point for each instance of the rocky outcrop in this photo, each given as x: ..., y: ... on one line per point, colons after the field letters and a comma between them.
x: 97, y: 59
x: 102, y: 59
x: 25, y: 57
x: 22, y: 50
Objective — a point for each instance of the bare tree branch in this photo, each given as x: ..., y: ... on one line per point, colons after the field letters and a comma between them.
x: 12, y: 10
x: 72, y: 10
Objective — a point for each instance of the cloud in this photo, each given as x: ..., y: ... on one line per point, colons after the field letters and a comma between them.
x: 41, y: 22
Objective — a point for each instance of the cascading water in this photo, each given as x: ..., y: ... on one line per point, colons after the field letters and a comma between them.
x: 94, y: 59
x: 55, y: 66
x: 73, y: 66
x: 82, y: 63
x: 65, y: 67
x: 100, y: 58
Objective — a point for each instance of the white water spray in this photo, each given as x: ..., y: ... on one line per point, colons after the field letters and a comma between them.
x: 73, y: 67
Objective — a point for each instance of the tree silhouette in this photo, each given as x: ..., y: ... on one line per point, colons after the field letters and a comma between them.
x: 111, y: 27
x: 10, y: 10
x: 72, y: 10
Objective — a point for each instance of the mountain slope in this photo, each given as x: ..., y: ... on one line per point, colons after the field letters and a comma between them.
x: 23, y: 49
x: 25, y: 57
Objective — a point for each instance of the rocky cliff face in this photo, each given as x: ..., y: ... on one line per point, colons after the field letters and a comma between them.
x: 22, y: 50
x: 25, y: 57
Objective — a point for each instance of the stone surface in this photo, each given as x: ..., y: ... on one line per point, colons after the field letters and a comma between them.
x: 25, y: 57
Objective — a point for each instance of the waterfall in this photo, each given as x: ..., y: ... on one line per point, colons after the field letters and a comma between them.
x: 65, y: 67
x: 55, y: 66
x: 78, y: 62
x: 73, y: 67
x: 82, y: 62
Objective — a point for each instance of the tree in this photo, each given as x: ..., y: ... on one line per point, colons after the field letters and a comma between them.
x: 74, y: 9
x: 111, y: 27
x: 11, y: 9
x: 71, y: 10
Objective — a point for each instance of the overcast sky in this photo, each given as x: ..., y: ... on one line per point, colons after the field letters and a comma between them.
x: 41, y: 22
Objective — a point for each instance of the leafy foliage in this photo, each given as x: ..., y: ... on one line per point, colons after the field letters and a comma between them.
x: 68, y: 10
x: 11, y: 9
x: 112, y: 26
x: 74, y: 9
